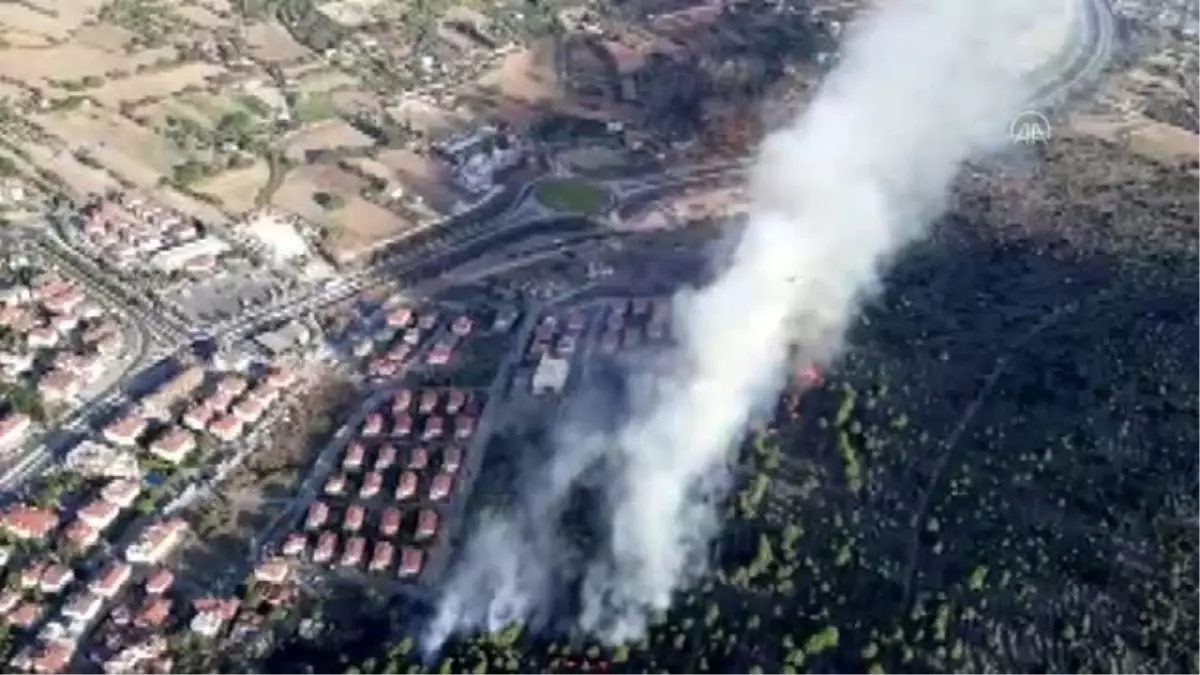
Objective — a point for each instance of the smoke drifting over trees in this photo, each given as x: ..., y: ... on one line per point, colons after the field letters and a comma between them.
x: 922, y: 86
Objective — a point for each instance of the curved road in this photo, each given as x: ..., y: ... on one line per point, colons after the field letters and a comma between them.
x: 477, y: 231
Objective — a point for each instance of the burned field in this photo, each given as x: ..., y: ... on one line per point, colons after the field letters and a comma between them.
x: 998, y: 476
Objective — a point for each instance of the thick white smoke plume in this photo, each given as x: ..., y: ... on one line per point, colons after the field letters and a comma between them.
x: 922, y: 85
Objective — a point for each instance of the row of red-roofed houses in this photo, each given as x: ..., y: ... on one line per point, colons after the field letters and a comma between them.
x: 385, y: 457
x: 85, y: 604
x: 354, y: 547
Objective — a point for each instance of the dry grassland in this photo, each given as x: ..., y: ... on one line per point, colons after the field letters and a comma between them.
x: 325, y: 135
x: 40, y: 23
x: 71, y: 61
x: 236, y: 188
x: 132, y: 151
x: 103, y: 36
x: 271, y: 43
x: 162, y: 83
x: 353, y: 230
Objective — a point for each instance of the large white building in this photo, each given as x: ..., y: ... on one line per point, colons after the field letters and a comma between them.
x: 174, y: 258
x: 551, y: 375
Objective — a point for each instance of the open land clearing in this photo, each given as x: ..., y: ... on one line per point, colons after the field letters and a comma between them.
x: 236, y: 189
x: 353, y: 227
x: 120, y: 145
x: 325, y: 135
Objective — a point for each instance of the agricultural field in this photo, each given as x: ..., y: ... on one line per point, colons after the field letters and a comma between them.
x: 157, y: 83
x: 327, y: 135
x: 236, y: 190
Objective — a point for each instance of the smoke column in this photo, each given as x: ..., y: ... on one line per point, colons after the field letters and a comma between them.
x: 922, y: 86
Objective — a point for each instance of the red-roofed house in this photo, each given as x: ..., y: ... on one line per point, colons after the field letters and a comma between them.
x: 406, y: 487
x: 125, y: 431
x: 355, y: 454
x: 156, y: 541
x: 386, y: 458
x: 371, y: 485
x: 318, y: 515
x: 43, y: 337
x: 13, y: 428
x: 354, y: 518
x: 400, y: 317
x: 427, y: 524
x: 435, y: 425
x: 464, y: 427
x: 440, y: 486
x: 389, y: 522
x: 295, y: 544
x: 353, y: 555
x: 441, y: 353
x: 336, y: 484
x: 112, y: 579
x: 121, y: 492
x: 25, y: 615
x: 381, y: 556
x: 82, y: 536
x: 28, y: 522
x: 428, y: 402
x: 372, y: 425
x: 198, y: 417
x: 212, y: 614
x: 452, y: 456
x: 272, y: 571
x: 455, y: 400
x: 462, y: 326
x: 250, y: 409
x: 160, y: 582
x: 99, y: 514
x: 53, y: 657
x: 411, y: 561
x: 226, y: 428
x: 402, y: 401
x: 55, y: 578
x: 326, y: 546
x: 418, y: 459
x: 154, y: 612
x: 403, y: 426
x: 174, y: 445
